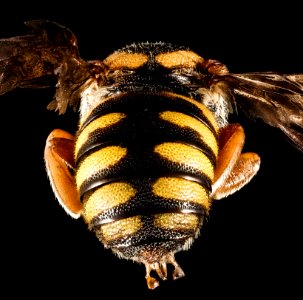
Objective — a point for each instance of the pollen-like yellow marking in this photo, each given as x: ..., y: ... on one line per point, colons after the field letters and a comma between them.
x: 106, y: 197
x: 99, y: 123
x: 205, y: 111
x: 181, y: 189
x: 183, y: 120
x: 97, y: 161
x: 176, y: 221
x: 121, y: 228
x: 119, y: 60
x: 180, y: 58
x: 187, y: 156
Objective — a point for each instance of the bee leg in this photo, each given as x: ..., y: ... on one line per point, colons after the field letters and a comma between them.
x: 233, y: 170
x: 161, y: 269
x: 59, y: 161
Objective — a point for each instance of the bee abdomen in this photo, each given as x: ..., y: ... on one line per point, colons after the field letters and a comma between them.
x: 146, y: 165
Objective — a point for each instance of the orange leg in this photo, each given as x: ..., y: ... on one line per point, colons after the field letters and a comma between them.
x: 233, y: 170
x: 59, y: 161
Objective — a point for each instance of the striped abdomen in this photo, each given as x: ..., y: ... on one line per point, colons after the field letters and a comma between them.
x: 145, y: 165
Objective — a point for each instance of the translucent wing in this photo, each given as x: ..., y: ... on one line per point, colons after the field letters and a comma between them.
x: 275, y: 98
x: 48, y: 51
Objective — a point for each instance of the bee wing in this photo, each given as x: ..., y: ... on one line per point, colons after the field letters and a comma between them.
x: 275, y: 98
x: 47, y: 55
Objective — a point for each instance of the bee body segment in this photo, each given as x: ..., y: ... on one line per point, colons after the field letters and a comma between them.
x: 147, y: 169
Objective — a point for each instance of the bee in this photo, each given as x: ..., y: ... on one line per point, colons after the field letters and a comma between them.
x: 154, y: 147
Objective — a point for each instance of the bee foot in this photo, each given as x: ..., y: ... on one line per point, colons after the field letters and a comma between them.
x: 161, y: 269
x: 178, y: 272
x: 152, y: 282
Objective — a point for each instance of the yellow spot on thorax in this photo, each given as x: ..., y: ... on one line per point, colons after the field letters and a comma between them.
x: 124, y: 60
x: 179, y: 58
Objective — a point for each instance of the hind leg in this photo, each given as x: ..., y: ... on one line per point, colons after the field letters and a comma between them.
x: 234, y: 169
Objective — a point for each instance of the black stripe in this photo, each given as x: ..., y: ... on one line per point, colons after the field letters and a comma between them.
x: 152, y: 235
x: 91, y: 185
x: 92, y: 146
x: 144, y: 131
x: 141, y: 160
x: 167, y: 240
x: 142, y: 102
x: 104, y: 135
x: 143, y: 163
x: 135, y: 208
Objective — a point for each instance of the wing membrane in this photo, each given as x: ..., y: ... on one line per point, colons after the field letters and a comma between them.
x: 47, y: 54
x: 275, y: 98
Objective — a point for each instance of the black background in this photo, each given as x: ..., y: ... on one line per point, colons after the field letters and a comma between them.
x: 250, y: 247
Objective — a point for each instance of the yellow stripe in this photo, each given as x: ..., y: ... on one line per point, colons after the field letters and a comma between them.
x: 177, y: 221
x: 106, y: 197
x: 99, y: 123
x: 120, y: 229
x: 187, y: 156
x: 98, y: 161
x: 186, y: 121
x: 205, y: 111
x: 181, y: 189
